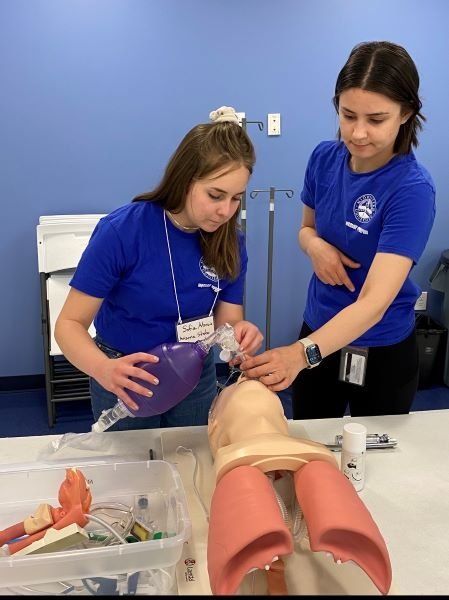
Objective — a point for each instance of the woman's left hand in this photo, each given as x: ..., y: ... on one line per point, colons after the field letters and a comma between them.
x: 249, y: 338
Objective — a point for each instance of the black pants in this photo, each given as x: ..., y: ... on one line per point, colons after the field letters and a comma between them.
x: 390, y: 384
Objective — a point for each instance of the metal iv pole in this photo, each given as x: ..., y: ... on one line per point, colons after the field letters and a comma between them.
x: 243, y: 201
x: 272, y: 191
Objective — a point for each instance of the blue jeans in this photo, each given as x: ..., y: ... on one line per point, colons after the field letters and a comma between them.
x: 193, y: 410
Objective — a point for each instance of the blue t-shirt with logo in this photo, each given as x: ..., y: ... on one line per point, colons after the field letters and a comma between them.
x: 390, y: 209
x: 127, y: 263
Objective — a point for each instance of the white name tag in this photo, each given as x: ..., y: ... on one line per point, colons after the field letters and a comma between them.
x: 195, y: 330
x: 353, y: 363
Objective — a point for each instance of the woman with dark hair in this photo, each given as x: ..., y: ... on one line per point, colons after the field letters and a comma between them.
x: 369, y: 207
x: 168, y: 266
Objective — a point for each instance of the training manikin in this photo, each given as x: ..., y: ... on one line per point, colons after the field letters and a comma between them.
x: 249, y: 527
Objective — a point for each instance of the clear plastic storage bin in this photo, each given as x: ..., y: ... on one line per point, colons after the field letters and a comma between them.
x: 146, y: 567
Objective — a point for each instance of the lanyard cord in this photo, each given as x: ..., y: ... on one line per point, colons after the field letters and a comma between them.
x: 171, y: 266
x: 215, y: 299
x: 173, y: 276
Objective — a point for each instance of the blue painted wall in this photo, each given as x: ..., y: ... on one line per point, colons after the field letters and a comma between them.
x: 96, y: 94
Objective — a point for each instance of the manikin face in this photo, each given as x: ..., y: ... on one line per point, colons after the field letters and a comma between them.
x: 212, y: 201
x: 242, y: 410
x: 369, y: 125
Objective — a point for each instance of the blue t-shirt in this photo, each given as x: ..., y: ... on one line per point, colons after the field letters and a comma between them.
x: 390, y: 209
x: 127, y: 263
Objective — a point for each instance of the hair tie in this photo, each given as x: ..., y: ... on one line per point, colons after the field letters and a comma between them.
x: 224, y: 113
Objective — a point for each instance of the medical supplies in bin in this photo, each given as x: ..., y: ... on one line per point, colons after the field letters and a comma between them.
x: 150, y: 491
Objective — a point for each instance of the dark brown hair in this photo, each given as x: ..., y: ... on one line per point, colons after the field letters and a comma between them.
x: 387, y: 69
x: 205, y: 149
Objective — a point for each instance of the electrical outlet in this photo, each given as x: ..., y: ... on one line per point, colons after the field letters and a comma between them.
x: 241, y: 116
x: 274, y: 124
x: 421, y: 303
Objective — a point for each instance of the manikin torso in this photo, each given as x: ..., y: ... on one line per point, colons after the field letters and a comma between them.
x: 248, y: 438
x: 247, y: 426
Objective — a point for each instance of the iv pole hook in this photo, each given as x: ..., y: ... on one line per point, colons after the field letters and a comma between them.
x: 272, y: 191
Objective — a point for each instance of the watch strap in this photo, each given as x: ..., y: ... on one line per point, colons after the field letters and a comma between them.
x: 307, y: 342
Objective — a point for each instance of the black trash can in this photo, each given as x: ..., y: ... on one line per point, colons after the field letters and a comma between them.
x: 439, y: 280
x: 432, y: 339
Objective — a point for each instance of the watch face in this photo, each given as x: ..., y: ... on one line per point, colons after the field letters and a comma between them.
x: 313, y: 355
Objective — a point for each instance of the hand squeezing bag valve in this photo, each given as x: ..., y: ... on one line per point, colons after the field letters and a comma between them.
x: 178, y: 371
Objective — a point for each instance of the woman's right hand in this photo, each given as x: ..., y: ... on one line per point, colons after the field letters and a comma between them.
x: 329, y: 264
x: 114, y: 374
x: 276, y: 368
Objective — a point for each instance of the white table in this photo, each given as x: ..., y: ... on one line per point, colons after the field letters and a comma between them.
x: 406, y: 488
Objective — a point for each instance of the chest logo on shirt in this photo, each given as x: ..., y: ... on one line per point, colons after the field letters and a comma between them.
x: 365, y: 208
x: 208, y: 272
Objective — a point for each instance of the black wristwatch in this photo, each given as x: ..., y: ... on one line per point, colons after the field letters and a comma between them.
x: 312, y: 353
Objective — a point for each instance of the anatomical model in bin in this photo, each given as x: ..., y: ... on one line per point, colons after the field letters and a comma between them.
x: 248, y: 523
x: 75, y: 499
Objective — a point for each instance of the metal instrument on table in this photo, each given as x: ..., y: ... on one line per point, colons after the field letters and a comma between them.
x: 374, y: 441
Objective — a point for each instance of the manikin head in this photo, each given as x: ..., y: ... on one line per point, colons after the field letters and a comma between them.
x: 243, y: 410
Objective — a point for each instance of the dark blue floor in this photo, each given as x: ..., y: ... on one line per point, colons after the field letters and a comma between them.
x: 432, y: 398
x: 24, y: 413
